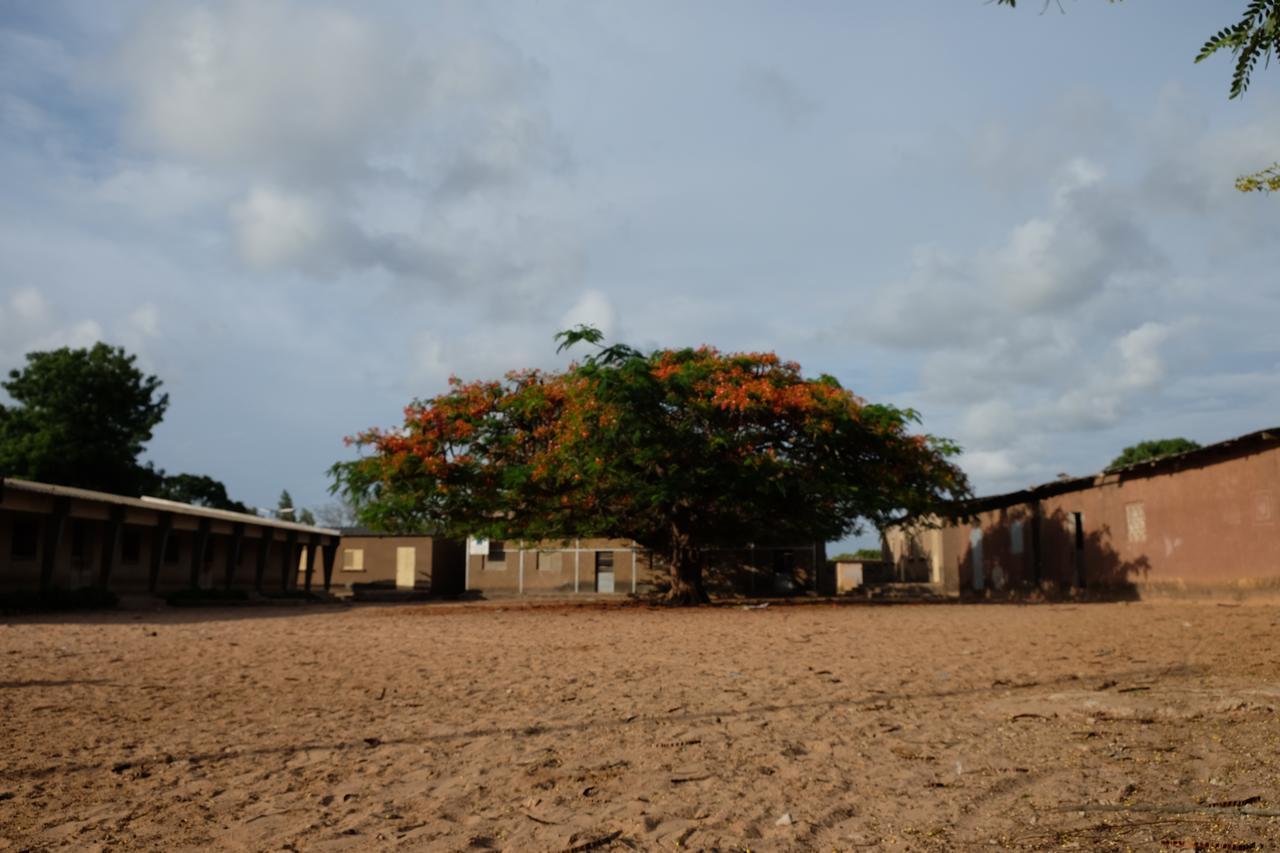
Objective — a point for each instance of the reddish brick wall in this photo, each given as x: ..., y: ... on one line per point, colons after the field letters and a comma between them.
x: 1215, y: 523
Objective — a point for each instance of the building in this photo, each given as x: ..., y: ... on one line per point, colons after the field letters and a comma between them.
x: 620, y: 566
x: 403, y: 562
x: 1206, y: 519
x: 63, y: 537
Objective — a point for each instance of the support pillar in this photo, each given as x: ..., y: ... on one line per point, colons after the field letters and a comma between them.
x: 313, y: 548
x: 199, y: 547
x: 54, y: 526
x: 330, y: 554
x: 264, y: 548
x: 159, y: 542
x: 110, y: 536
x: 289, y: 559
x: 233, y: 554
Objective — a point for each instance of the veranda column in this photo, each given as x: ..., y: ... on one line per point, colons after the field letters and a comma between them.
x: 264, y: 549
x: 159, y: 542
x: 110, y: 536
x: 198, y: 549
x: 289, y: 559
x: 53, y: 527
x: 233, y: 554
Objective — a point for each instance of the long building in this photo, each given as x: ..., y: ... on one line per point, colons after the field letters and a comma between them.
x: 426, y: 564
x: 1202, y: 520
x: 61, y: 537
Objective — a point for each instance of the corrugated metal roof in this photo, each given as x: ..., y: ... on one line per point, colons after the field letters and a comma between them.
x: 158, y: 504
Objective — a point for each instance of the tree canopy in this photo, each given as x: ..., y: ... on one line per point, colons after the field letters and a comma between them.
x: 681, y: 450
x: 198, y: 490
x: 1146, y: 451
x: 82, y: 417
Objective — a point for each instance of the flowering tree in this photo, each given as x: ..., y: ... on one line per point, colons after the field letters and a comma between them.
x: 681, y: 450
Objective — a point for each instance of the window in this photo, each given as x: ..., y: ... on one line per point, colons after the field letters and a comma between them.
x: 549, y: 561
x: 353, y: 559
x: 1135, y: 519
x: 130, y: 545
x: 604, y: 561
x: 79, y: 535
x: 26, y: 539
x: 1015, y: 537
x: 496, y: 552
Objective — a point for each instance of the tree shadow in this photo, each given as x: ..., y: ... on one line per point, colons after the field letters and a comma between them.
x: 1055, y: 554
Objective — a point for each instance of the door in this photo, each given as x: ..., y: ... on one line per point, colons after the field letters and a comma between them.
x: 975, y: 554
x: 406, y: 564
x: 604, y: 571
x: 1077, y: 538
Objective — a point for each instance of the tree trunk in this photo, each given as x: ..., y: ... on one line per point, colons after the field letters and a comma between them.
x: 686, y: 572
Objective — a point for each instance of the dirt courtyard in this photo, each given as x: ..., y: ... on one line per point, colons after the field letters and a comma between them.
x: 820, y: 727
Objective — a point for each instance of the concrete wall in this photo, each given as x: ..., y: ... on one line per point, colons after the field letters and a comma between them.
x: 557, y: 568
x: 438, y: 563
x: 1211, y: 524
x: 550, y: 568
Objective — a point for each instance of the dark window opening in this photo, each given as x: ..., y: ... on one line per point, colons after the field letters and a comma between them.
x: 25, y: 544
x: 80, y: 534
x: 604, y: 561
x: 496, y: 552
x: 1078, y: 519
x: 130, y: 546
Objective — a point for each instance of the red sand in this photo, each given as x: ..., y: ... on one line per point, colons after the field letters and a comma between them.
x: 923, y: 727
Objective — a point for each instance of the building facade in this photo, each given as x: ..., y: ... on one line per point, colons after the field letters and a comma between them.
x: 1206, y: 519
x: 620, y: 566
x: 62, y: 537
x: 373, y: 561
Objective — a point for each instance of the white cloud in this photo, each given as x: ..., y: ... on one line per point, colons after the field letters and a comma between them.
x: 29, y: 323
x: 337, y: 141
x: 593, y: 308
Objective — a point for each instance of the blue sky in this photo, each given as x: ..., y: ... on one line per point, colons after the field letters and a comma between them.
x: 301, y: 215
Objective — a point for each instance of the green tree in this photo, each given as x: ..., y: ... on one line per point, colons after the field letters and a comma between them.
x: 680, y: 450
x: 81, y: 417
x: 284, y: 506
x: 862, y: 554
x: 1256, y: 36
x: 1148, y: 450
x: 305, y: 517
x: 198, y: 490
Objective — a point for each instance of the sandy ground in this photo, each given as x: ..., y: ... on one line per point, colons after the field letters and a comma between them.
x: 908, y: 727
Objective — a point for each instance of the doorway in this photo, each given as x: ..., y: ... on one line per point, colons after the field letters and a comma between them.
x: 406, y: 568
x: 1077, y: 519
x: 604, y: 571
x: 975, y: 555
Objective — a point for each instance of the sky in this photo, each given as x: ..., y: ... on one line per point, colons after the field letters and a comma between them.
x: 301, y: 215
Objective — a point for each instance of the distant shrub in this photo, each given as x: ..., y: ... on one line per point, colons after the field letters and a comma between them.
x: 859, y: 556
